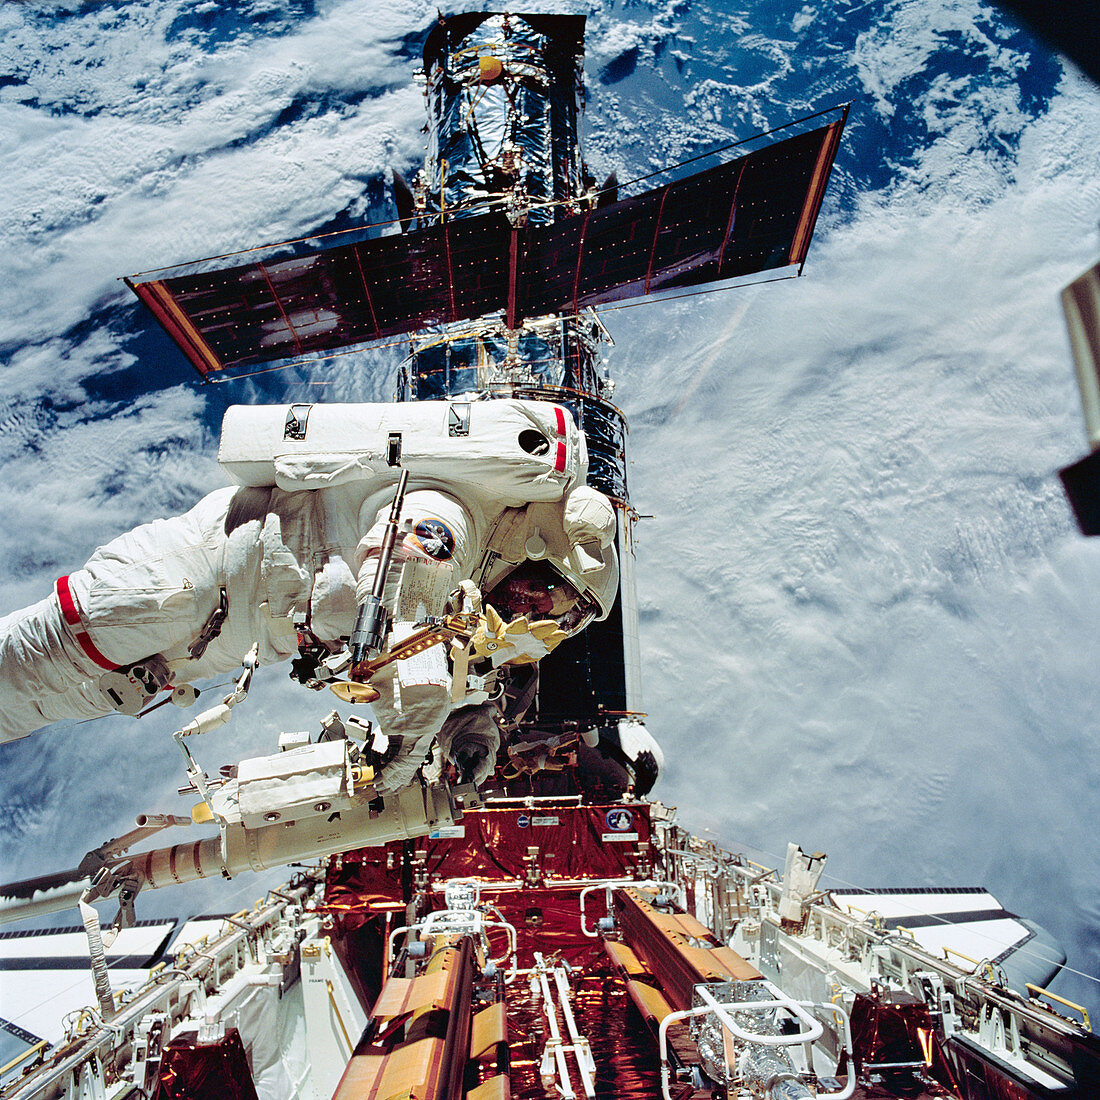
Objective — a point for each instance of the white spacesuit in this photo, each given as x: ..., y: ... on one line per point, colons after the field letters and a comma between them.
x: 271, y: 563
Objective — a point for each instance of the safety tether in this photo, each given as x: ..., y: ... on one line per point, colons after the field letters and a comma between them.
x: 100, y: 978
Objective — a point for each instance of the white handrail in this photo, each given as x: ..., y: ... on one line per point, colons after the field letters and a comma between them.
x: 607, y: 885
x: 473, y: 923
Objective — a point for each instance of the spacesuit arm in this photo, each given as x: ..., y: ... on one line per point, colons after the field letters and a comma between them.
x: 146, y: 592
x: 470, y: 739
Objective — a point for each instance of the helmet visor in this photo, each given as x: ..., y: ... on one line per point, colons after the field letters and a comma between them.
x: 536, y: 589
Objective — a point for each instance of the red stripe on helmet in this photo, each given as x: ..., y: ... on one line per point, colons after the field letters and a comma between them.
x: 559, y: 464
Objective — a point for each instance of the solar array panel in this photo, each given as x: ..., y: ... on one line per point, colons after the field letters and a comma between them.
x: 752, y: 214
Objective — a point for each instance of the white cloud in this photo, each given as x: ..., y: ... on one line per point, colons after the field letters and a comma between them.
x: 909, y: 33
x: 190, y: 161
x: 803, y: 18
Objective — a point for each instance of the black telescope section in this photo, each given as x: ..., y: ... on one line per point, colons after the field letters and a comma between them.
x: 583, y: 682
x: 1081, y: 482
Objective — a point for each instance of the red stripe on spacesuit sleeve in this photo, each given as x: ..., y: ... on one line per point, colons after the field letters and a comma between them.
x: 72, y: 617
x: 559, y: 415
x: 559, y: 464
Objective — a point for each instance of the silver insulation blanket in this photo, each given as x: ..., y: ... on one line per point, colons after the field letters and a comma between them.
x: 520, y: 128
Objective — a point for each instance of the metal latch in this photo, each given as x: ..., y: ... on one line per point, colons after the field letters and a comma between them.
x: 212, y: 627
x: 296, y: 417
x: 458, y: 419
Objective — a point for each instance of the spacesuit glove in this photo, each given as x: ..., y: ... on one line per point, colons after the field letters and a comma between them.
x: 470, y: 739
x: 401, y: 770
x: 466, y: 599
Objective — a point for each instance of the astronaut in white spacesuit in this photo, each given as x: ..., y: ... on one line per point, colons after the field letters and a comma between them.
x: 184, y: 599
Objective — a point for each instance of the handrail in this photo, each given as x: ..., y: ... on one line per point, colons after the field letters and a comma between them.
x: 29, y: 1053
x: 607, y: 885
x: 979, y: 964
x: 1038, y: 989
x: 873, y: 915
x: 339, y: 1016
x: 476, y: 926
x: 815, y: 1027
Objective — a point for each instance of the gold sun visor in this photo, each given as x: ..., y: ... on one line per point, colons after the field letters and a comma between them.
x: 351, y: 692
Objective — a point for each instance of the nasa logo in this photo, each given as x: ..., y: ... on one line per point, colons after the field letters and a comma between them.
x: 523, y: 821
x: 435, y: 538
x: 619, y: 821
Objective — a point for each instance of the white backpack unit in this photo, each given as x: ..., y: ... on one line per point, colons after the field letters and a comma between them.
x: 512, y: 452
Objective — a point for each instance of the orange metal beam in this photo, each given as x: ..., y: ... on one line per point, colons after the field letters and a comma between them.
x: 178, y: 325
x: 800, y: 245
x: 676, y: 949
x: 417, y: 1042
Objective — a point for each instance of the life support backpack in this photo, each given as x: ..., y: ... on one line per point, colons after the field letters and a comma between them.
x: 501, y: 452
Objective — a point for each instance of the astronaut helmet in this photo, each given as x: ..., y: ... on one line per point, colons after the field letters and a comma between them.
x: 541, y: 591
